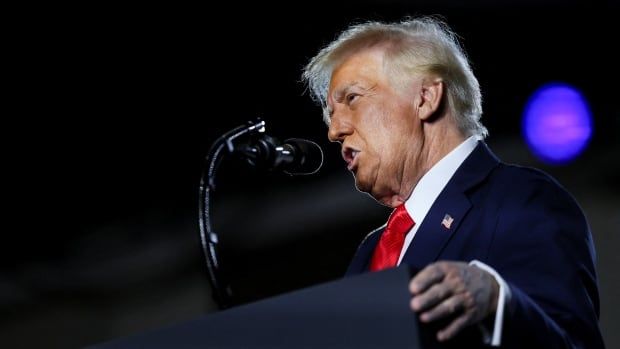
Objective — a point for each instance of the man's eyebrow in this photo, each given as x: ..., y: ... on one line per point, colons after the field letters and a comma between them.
x: 341, y: 92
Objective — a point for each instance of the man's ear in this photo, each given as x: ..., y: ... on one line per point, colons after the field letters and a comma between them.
x: 431, y: 96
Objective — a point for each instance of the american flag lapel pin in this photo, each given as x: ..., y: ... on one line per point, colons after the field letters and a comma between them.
x: 447, y: 221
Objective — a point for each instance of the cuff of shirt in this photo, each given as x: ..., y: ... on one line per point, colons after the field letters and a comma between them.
x: 495, y: 338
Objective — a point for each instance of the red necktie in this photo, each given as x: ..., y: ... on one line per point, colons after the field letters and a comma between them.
x: 392, y: 240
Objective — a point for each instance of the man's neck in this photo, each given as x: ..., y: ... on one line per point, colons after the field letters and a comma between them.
x: 435, y: 146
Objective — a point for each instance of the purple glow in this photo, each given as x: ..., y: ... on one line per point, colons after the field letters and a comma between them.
x: 557, y: 123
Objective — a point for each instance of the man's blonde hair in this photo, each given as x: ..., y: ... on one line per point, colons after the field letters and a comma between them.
x: 415, y: 46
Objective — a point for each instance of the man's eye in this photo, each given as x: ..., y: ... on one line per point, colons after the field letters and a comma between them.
x: 351, y: 97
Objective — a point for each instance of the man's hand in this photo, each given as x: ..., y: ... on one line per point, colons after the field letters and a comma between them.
x: 453, y: 289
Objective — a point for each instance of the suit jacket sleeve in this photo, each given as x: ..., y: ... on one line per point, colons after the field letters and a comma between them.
x: 543, y: 248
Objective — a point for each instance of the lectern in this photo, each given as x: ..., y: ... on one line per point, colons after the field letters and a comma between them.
x: 365, y: 311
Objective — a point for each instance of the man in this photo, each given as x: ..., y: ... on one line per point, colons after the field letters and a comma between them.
x: 500, y: 247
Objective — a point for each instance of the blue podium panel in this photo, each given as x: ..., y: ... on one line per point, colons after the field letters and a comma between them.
x: 365, y: 311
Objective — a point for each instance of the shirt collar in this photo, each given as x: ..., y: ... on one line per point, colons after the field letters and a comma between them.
x: 432, y: 183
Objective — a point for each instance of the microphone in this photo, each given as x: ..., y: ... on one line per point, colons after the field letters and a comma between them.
x: 295, y: 156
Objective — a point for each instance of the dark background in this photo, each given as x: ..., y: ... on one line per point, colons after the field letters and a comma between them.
x: 115, y: 107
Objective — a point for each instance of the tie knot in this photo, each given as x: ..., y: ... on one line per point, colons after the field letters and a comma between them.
x: 400, y: 222
x: 392, y: 240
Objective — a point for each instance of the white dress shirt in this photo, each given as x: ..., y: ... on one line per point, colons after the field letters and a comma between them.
x: 419, y: 203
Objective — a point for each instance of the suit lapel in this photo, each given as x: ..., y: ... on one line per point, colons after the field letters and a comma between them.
x: 432, y: 236
x: 360, y: 261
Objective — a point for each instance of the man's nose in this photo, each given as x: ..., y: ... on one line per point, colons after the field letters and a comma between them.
x: 339, y: 128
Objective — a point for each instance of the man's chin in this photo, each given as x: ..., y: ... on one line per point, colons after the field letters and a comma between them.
x: 386, y: 199
x: 381, y: 197
x: 362, y: 185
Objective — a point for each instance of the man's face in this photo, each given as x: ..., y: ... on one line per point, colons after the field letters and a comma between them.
x: 377, y: 125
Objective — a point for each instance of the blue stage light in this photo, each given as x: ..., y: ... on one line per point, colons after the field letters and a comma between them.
x: 557, y: 123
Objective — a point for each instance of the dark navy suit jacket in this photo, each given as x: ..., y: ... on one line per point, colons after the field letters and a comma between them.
x: 531, y: 231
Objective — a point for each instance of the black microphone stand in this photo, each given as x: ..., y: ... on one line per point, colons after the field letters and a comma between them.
x: 209, y: 238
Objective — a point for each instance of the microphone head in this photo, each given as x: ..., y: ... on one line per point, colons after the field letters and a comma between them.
x: 308, y: 157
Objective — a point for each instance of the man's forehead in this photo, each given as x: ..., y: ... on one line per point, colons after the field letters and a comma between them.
x: 357, y: 69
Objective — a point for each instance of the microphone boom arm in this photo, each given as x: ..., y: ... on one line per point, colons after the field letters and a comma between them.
x: 295, y: 156
x: 209, y: 238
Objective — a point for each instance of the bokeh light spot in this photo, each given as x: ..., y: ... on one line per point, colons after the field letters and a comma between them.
x: 557, y: 124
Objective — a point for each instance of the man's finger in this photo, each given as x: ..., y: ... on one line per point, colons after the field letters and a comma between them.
x: 428, y: 276
x: 431, y: 297
x: 446, y: 308
x: 455, y: 327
